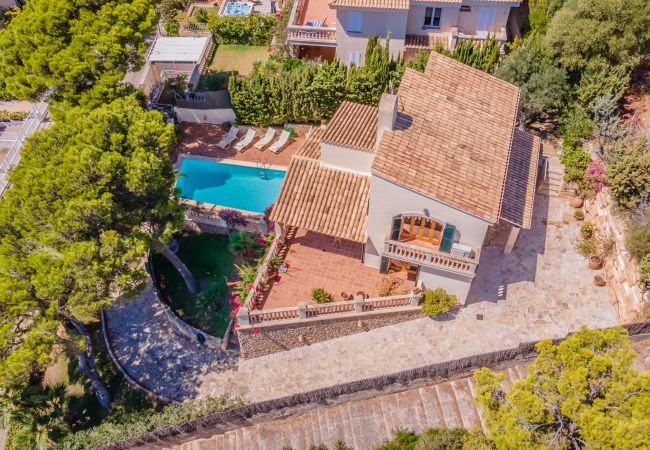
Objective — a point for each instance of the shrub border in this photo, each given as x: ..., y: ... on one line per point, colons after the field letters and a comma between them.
x: 237, y: 417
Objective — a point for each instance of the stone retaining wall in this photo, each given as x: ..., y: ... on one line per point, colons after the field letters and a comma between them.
x: 269, y: 339
x: 621, y: 269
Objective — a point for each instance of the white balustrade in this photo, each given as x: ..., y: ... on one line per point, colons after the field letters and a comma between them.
x: 429, y: 257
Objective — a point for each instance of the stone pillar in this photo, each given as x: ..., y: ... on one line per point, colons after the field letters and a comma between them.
x: 512, y: 238
x: 453, y: 39
x: 242, y: 317
x: 302, y: 311
x: 279, y: 232
x: 358, y: 303
x: 415, y: 299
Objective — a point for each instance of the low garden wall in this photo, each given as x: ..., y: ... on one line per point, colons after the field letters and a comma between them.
x: 184, y: 329
x: 255, y: 342
x: 622, y: 271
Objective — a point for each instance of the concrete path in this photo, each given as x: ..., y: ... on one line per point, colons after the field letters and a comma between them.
x: 542, y: 290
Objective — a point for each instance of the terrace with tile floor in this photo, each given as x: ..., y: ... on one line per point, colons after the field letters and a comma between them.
x: 319, y: 261
x: 202, y: 139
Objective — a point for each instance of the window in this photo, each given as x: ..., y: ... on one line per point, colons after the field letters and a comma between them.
x: 354, y: 58
x: 355, y: 20
x: 485, y: 21
x: 432, y: 17
x: 465, y: 8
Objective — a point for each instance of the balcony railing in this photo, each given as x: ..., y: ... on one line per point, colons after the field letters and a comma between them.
x: 305, y: 34
x: 430, y: 258
x: 449, y: 39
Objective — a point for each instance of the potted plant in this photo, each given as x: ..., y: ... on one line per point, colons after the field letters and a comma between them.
x: 595, y: 262
x: 599, y: 280
x: 577, y: 202
x: 320, y: 295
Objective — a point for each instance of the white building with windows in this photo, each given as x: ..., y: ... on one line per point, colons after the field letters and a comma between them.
x: 419, y: 180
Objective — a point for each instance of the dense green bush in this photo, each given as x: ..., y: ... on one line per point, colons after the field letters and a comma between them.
x: 134, y: 424
x: 6, y: 116
x: 437, y: 439
x: 437, y: 301
x: 628, y: 173
x: 250, y: 30
x: 543, y: 86
x: 294, y: 90
x: 484, y: 57
x: 541, y: 12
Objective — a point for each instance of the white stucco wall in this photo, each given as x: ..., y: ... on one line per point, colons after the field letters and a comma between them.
x: 448, y: 19
x: 452, y: 283
x: 213, y: 116
x: 374, y: 22
x: 388, y: 200
x: 345, y: 158
x: 467, y: 21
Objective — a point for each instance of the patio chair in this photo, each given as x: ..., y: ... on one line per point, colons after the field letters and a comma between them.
x: 282, y: 140
x: 227, y: 139
x: 245, y: 141
x: 266, y: 140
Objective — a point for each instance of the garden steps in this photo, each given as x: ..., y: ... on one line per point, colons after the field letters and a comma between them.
x: 363, y: 424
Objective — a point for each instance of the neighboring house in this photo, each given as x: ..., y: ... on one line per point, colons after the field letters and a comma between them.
x: 420, y: 179
x: 341, y: 28
x: 169, y: 57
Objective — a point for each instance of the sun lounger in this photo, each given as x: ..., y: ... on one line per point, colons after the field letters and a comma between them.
x: 245, y: 141
x: 227, y: 139
x: 282, y: 140
x: 266, y: 140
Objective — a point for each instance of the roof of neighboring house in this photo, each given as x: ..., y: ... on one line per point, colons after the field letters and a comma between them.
x: 519, y: 192
x: 324, y: 200
x: 311, y: 147
x: 375, y: 4
x: 354, y: 125
x: 178, y: 49
x: 453, y: 137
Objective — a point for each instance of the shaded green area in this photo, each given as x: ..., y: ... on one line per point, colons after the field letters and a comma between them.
x: 208, y: 258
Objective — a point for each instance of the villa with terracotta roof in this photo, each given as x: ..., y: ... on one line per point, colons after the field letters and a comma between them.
x: 341, y: 28
x: 418, y: 181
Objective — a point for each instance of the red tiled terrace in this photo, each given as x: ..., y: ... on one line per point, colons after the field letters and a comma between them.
x: 317, y: 260
x: 201, y: 139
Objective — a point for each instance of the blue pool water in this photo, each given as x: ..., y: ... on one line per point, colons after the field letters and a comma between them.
x: 238, y: 9
x: 229, y: 185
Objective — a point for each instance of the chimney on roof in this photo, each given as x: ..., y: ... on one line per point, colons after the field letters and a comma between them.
x: 387, y: 115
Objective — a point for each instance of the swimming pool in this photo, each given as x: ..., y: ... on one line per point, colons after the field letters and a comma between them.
x: 230, y: 185
x: 238, y: 9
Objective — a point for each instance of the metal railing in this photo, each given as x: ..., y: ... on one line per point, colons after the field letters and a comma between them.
x: 429, y: 257
x: 359, y: 307
x: 33, y: 122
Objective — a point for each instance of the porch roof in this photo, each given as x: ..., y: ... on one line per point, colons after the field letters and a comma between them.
x: 324, y: 200
x: 374, y: 4
x: 521, y: 178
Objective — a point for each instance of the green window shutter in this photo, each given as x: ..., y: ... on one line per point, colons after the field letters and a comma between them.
x: 383, y: 268
x: 397, y: 224
x: 447, y: 238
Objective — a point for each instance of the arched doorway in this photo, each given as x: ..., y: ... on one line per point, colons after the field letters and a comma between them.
x: 421, y: 229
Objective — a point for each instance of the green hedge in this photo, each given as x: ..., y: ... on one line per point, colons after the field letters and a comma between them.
x: 252, y: 30
x: 133, y: 424
x: 6, y: 116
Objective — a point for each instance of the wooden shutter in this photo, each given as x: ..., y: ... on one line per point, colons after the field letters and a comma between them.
x: 447, y: 238
x: 397, y: 224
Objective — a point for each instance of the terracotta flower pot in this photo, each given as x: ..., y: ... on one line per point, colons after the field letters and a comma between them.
x: 595, y: 262
x: 577, y: 202
x: 599, y: 280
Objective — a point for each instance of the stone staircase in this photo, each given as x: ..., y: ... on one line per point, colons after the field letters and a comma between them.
x: 362, y: 424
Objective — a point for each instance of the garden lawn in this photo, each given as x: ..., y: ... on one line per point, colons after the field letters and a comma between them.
x: 208, y: 258
x: 238, y: 58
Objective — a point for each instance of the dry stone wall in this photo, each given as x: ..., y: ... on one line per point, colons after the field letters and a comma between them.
x: 621, y: 269
x: 272, y: 339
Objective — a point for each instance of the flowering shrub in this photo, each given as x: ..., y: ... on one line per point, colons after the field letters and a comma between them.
x: 232, y: 217
x: 267, y: 211
x: 595, y: 175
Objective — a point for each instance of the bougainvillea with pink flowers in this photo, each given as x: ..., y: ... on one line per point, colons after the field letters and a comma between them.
x: 232, y: 217
x: 595, y: 175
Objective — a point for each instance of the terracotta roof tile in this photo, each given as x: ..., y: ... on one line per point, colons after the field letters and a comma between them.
x: 311, y: 147
x: 453, y: 136
x: 325, y: 200
x: 376, y: 4
x: 354, y: 125
x: 519, y: 192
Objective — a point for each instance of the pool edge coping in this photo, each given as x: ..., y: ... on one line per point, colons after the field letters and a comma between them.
x: 234, y: 162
